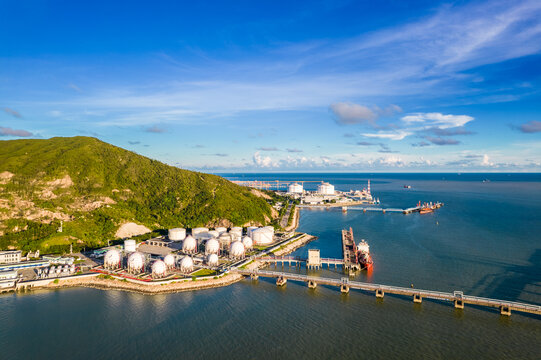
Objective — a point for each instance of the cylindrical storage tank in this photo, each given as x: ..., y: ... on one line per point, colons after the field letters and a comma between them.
x: 212, y: 260
x: 59, y: 269
x: 169, y: 261
x: 177, y: 234
x: 214, y: 233
x: 236, y: 250
x: 199, y: 230
x: 158, y: 268
x: 247, y: 242
x: 136, y: 262
x: 72, y: 269
x: 52, y: 269
x: 325, y: 189
x: 236, y: 229
x: 189, y: 245
x: 212, y: 246
x: 112, y: 259
x: 186, y: 264
x: 225, y: 241
x: 221, y: 230
x: 295, y: 188
x: 262, y: 236
x: 250, y: 229
x: 130, y: 245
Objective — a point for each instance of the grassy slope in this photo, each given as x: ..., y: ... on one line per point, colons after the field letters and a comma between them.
x: 159, y: 195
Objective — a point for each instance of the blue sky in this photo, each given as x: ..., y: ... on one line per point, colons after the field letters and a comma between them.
x: 281, y: 86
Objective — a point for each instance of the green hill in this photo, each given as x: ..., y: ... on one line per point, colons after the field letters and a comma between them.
x: 95, y: 187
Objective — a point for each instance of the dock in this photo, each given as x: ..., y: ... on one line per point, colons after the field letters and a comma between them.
x: 349, y: 251
x: 344, y: 284
x: 346, y: 208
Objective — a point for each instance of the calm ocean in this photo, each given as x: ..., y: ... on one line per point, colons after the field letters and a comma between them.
x: 485, y: 241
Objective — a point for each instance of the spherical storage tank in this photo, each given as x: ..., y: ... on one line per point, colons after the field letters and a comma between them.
x: 237, y: 250
x: 212, y: 246
x: 169, y: 261
x: 129, y: 245
x: 212, y: 260
x: 111, y: 260
x: 295, y: 188
x: 177, y: 234
x: 186, y: 264
x: 247, y: 242
x: 189, y: 245
x: 136, y: 262
x: 158, y: 268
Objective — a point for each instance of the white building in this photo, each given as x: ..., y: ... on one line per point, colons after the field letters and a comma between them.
x: 10, y: 257
x: 8, y: 279
x: 325, y: 189
x: 295, y: 188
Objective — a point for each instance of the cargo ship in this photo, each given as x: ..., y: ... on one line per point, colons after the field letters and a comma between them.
x: 427, y: 208
x: 363, y: 255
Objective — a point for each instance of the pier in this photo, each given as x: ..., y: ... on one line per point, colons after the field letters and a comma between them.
x: 346, y: 208
x: 417, y: 295
x: 349, y: 251
x: 297, y: 261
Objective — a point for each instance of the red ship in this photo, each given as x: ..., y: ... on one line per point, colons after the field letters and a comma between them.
x: 363, y: 255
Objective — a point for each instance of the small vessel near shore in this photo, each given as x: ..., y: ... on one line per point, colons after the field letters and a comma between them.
x: 363, y: 255
x: 407, y: 186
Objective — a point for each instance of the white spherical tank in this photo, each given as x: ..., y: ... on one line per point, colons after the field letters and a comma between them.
x: 247, y: 242
x: 136, y: 262
x: 186, y: 264
x: 263, y: 236
x: 295, y: 188
x: 177, y: 234
x: 158, y: 268
x: 112, y: 259
x: 221, y: 230
x: 189, y: 245
x: 212, y: 260
x: 236, y: 250
x: 130, y: 245
x: 169, y: 261
x: 212, y: 246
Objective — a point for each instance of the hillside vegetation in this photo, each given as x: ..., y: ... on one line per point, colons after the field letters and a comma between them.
x: 95, y: 187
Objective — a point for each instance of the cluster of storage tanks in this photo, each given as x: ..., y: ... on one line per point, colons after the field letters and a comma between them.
x: 220, y: 239
x: 55, y: 271
x: 136, y: 263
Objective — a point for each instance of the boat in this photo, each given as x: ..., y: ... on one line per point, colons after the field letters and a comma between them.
x: 363, y: 255
x: 407, y: 186
x: 426, y: 210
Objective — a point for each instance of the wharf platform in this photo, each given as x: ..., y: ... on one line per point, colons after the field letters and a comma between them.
x: 298, y: 261
x: 457, y: 297
x: 372, y: 208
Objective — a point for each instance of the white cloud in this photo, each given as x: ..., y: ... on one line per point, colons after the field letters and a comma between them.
x: 486, y: 161
x: 391, y: 135
x: 438, y: 120
x: 348, y: 113
x: 262, y: 161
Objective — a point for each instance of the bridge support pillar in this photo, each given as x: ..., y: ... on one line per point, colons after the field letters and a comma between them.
x: 254, y: 276
x: 417, y: 298
x: 344, y: 289
x: 459, y: 304
x: 312, y: 284
x: 281, y: 281
x: 505, y: 310
x: 379, y: 293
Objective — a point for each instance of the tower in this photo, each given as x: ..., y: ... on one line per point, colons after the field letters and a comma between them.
x: 368, y: 187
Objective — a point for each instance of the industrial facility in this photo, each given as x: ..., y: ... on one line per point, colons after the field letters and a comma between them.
x: 327, y: 194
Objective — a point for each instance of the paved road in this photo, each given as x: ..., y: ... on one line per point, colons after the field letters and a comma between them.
x: 285, y: 218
